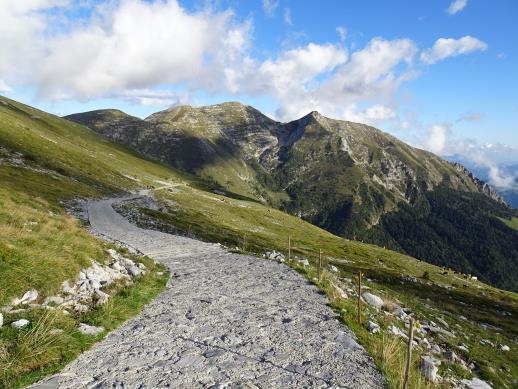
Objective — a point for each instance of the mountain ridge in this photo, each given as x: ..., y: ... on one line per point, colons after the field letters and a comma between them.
x: 351, y: 179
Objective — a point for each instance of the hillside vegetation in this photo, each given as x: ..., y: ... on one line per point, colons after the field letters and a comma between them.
x: 46, y: 160
x: 350, y: 179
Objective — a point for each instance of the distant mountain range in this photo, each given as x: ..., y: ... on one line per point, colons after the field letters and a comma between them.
x: 510, y: 194
x: 349, y: 178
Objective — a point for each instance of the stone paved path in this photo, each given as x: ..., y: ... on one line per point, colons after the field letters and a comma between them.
x: 225, y: 321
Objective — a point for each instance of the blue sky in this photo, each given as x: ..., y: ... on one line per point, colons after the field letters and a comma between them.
x: 440, y: 75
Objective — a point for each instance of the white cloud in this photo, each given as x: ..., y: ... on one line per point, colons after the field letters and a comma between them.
x: 342, y: 33
x: 21, y: 23
x: 138, y: 45
x: 269, y: 6
x: 490, y: 156
x: 153, y: 97
x: 437, y: 139
x: 456, y: 6
x: 447, y: 47
x: 135, y: 50
x: 287, y: 17
x: 4, y: 88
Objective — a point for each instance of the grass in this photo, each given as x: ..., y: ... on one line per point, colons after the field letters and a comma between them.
x: 34, y: 352
x: 62, y: 160
x: 513, y: 223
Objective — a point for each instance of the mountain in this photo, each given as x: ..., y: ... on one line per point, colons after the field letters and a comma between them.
x: 348, y: 178
x: 510, y: 192
x: 46, y: 162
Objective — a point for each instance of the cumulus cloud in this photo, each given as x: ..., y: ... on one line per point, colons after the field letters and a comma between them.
x: 456, y: 6
x: 137, y: 49
x: 327, y: 79
x: 21, y: 24
x: 138, y: 45
x: 447, y: 47
x: 269, y: 6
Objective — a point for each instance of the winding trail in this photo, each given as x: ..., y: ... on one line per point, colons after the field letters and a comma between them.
x: 225, y: 321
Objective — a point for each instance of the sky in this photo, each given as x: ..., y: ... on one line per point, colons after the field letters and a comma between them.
x: 440, y: 75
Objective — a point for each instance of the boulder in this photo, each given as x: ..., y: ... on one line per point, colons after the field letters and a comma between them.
x: 303, y: 262
x: 19, y: 324
x: 373, y: 327
x: 86, y: 329
x: 429, y: 368
x: 1, y: 320
x: 476, y: 383
x: 333, y: 269
x: 373, y: 300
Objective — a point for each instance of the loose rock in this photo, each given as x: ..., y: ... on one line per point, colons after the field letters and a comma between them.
x: 27, y: 298
x: 476, y: 383
x: 86, y: 329
x: 371, y: 299
x: 373, y: 327
x: 19, y: 324
x: 429, y: 368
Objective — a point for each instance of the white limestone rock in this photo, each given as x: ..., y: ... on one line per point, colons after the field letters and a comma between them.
x: 373, y: 328
x: 19, y: 324
x: 86, y: 329
x: 373, y: 300
x: 27, y: 298
x: 397, y: 331
x: 476, y: 383
x: 429, y: 367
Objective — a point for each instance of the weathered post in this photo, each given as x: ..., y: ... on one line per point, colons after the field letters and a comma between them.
x: 289, y: 247
x: 360, y: 297
x: 409, y: 353
x: 320, y: 265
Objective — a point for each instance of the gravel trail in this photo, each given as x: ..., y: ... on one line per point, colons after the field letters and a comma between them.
x: 224, y: 321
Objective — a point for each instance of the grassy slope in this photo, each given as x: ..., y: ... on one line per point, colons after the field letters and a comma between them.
x: 86, y: 165
x: 513, y: 223
x: 41, y: 246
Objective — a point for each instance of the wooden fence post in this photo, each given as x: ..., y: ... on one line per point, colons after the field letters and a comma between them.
x: 359, y: 297
x: 319, y: 265
x: 409, y: 353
